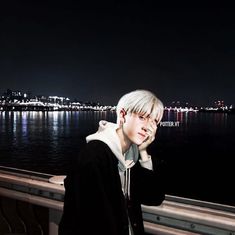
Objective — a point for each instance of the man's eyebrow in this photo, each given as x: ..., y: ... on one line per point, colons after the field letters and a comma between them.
x: 144, y: 114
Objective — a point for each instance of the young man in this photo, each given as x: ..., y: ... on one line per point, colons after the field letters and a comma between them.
x: 114, y: 174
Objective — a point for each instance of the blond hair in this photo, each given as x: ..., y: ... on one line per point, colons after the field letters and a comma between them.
x: 143, y: 102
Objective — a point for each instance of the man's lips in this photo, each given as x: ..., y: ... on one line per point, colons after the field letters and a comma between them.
x: 141, y: 134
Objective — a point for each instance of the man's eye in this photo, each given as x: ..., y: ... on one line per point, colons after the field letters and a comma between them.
x: 142, y: 118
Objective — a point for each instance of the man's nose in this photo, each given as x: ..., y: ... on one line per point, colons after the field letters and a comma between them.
x: 145, y: 127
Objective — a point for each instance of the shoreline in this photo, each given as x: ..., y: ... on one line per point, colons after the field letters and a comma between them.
x: 42, y: 108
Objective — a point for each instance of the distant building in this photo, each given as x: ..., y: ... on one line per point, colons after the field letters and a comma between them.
x: 179, y: 104
x: 219, y: 104
x: 14, y: 96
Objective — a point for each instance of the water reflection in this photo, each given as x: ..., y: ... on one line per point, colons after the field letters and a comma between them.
x: 197, y: 149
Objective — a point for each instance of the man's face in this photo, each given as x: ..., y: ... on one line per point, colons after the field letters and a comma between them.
x: 136, y: 127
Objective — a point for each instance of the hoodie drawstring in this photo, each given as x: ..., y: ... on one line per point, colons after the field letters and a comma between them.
x: 127, y: 184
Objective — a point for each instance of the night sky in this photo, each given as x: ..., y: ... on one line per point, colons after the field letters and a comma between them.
x: 100, y: 51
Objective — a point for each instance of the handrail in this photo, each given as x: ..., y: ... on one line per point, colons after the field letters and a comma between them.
x: 191, y: 218
x: 25, y: 173
x: 31, y: 184
x: 205, y: 204
x: 176, y: 215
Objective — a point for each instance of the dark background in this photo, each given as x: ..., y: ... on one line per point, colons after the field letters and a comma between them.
x: 98, y: 51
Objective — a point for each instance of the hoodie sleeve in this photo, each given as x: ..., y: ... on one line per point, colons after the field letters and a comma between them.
x: 147, y: 186
x: 147, y: 164
x: 92, y: 203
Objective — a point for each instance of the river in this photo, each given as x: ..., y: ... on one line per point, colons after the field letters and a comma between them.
x: 197, y: 148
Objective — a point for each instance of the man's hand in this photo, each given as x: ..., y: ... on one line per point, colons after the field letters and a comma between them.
x: 151, y: 132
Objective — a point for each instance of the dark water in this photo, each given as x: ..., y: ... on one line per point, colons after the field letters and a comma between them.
x: 197, y: 148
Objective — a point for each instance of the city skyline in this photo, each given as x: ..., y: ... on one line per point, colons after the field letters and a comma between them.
x: 21, y: 95
x: 101, y: 51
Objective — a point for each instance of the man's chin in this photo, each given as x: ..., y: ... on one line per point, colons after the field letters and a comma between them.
x: 139, y: 142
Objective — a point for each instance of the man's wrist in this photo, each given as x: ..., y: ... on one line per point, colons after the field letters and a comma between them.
x: 144, y: 155
x: 146, y: 160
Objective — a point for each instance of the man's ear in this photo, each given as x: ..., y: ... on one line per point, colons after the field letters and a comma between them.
x: 122, y: 115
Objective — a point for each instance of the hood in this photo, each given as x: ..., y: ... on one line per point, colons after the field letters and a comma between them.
x: 107, y: 134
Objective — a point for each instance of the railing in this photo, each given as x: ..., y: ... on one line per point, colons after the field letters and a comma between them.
x: 32, y: 203
x: 191, y: 216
